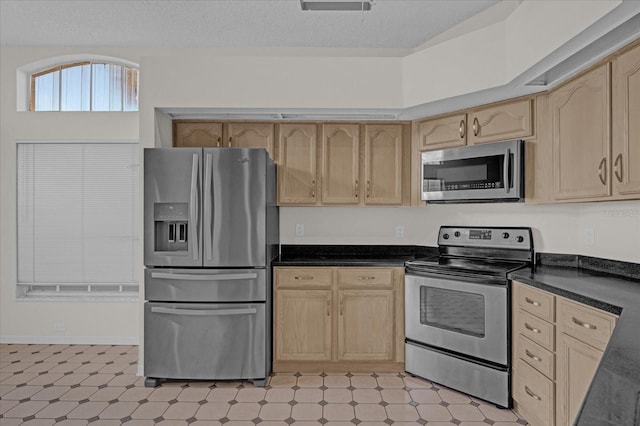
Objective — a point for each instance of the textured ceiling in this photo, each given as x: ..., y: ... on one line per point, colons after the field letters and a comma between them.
x: 398, y: 24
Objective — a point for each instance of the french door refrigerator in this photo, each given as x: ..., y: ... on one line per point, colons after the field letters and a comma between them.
x: 211, y: 232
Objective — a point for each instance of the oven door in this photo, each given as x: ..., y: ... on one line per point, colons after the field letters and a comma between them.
x: 463, y: 316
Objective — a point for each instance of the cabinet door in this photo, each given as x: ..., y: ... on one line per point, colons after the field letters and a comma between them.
x: 340, y: 158
x: 444, y: 132
x: 297, y: 177
x: 303, y: 325
x: 626, y: 124
x: 577, y: 363
x: 501, y: 122
x: 383, y: 164
x: 196, y: 134
x: 581, y: 137
x: 251, y: 135
x: 365, y: 325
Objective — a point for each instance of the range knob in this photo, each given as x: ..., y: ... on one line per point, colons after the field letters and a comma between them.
x: 520, y: 238
x: 456, y: 234
x: 505, y: 235
x: 445, y: 236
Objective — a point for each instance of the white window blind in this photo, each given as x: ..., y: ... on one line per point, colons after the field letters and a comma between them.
x: 77, y: 219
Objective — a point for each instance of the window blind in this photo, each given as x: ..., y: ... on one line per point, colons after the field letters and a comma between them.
x: 77, y: 218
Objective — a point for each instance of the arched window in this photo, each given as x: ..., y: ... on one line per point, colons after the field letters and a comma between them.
x: 85, y: 86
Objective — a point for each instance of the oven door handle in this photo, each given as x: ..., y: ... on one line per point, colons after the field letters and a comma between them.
x: 506, y: 176
x: 455, y: 277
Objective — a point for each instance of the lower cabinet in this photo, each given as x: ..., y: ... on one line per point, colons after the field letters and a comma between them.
x: 557, y: 346
x: 338, y: 318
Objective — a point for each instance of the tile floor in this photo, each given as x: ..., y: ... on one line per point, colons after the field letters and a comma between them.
x: 78, y: 385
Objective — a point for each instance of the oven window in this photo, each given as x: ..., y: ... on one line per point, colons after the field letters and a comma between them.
x: 453, y: 310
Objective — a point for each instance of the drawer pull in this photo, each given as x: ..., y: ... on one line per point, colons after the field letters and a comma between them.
x: 531, y: 394
x: 528, y: 327
x: 363, y: 278
x: 303, y: 277
x: 532, y: 302
x: 532, y: 356
x: 583, y: 324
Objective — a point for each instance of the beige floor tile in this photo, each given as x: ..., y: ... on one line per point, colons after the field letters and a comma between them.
x: 107, y: 394
x: 102, y: 422
x: 43, y: 379
x: 206, y: 423
x: 67, y: 367
x: 308, y: 395
x: 338, y: 424
x: 425, y: 396
x: 124, y: 380
x: 339, y: 412
x: 251, y: 395
x: 135, y: 394
x: 476, y: 424
x: 43, y: 367
x: 337, y: 382
x: 5, y: 389
x: 71, y: 379
x: 240, y: 423
x: 70, y: 422
x: 22, y: 392
x: 364, y: 382
x: 310, y: 381
x: 283, y: 381
x: 309, y: 423
x: 193, y: 394
x: 6, y: 405
x: 373, y: 424
x: 401, y: 412
x: 370, y: 412
x: 222, y: 394
x: 416, y: 383
x: 279, y: 395
x: 389, y: 382
x: 164, y: 393
x: 446, y: 424
x: 88, y: 410
x: 37, y: 356
x: 274, y: 423
x: 79, y: 393
x: 395, y: 396
x: 173, y: 423
x: 497, y: 414
x: 434, y: 412
x: 119, y: 410
x: 113, y: 368
x: 243, y: 411
x: 56, y: 410
x: 212, y: 411
x: 343, y: 396
x: 150, y: 410
x: 366, y: 396
x: 138, y: 422
x: 465, y: 412
x: 275, y: 411
x: 306, y: 411
x: 453, y: 397
x: 181, y: 411
x: 98, y: 379
x: 52, y: 392
x: 25, y: 409
x: 39, y: 422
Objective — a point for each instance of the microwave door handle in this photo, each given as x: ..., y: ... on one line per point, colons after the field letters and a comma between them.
x: 193, y: 208
x: 207, y: 206
x: 506, y: 176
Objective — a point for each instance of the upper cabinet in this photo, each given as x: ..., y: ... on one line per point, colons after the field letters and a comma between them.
x: 581, y: 136
x: 442, y: 132
x: 505, y: 121
x: 383, y: 152
x: 626, y: 125
x: 340, y: 164
x: 297, y: 159
x: 211, y: 134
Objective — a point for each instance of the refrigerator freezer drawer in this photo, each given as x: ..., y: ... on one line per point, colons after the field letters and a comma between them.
x: 205, y: 285
x: 205, y: 341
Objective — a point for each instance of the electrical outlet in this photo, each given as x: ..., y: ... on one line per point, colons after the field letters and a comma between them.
x: 299, y: 229
x: 400, y: 231
x: 59, y: 327
x: 589, y: 236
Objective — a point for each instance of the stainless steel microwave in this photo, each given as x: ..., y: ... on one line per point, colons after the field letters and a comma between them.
x: 491, y: 172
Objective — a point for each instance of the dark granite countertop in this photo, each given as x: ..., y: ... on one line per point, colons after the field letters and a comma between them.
x: 614, y: 395
x: 350, y: 255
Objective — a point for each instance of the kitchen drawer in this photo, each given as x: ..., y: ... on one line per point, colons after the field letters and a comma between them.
x: 365, y: 277
x: 536, y: 356
x: 539, y: 303
x: 303, y: 277
x: 536, y: 329
x: 587, y: 324
x: 535, y: 395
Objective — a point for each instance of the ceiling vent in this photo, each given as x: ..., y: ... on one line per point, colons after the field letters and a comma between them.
x: 336, y: 5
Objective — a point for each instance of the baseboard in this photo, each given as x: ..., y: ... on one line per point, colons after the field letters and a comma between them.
x: 140, y: 371
x: 70, y: 340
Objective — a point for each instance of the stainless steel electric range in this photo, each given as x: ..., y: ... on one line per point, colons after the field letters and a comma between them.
x: 457, y: 321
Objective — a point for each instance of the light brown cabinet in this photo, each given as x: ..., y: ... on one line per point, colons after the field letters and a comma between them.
x: 442, y: 132
x: 338, y: 317
x: 211, y: 134
x: 297, y: 160
x: 504, y: 121
x: 341, y: 164
x: 557, y: 345
x: 626, y: 124
x: 383, y: 161
x: 581, y: 139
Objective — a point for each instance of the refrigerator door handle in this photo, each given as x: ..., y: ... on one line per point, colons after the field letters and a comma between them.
x: 207, y: 206
x: 193, y: 209
x: 203, y: 312
x: 198, y: 277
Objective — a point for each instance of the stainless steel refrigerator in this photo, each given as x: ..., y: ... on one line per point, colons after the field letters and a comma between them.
x: 211, y: 231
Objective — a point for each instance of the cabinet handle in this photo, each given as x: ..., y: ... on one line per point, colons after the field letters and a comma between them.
x: 357, y: 187
x: 476, y: 126
x: 329, y: 307
x: 531, y: 394
x: 532, y: 302
x: 617, y: 167
x: 218, y: 141
x: 528, y: 327
x: 602, y: 171
x: 368, y: 189
x: 462, y: 129
x: 363, y: 278
x: 583, y: 324
x: 303, y: 277
x: 313, y: 188
x: 532, y: 356
x: 230, y: 140
x: 341, y: 304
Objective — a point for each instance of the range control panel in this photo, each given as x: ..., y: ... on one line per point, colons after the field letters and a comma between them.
x: 491, y: 237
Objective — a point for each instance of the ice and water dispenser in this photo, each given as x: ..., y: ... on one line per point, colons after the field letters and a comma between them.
x: 171, y: 226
